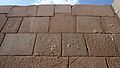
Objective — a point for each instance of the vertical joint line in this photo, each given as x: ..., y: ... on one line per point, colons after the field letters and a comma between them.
x: 20, y: 25
x: 34, y: 43
x: 86, y: 45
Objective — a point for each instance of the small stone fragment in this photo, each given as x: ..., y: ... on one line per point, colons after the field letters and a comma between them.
x: 95, y: 31
x: 111, y: 25
x: 36, y: 54
x: 68, y: 45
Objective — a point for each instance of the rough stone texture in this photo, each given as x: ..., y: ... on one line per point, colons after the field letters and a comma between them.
x: 116, y: 5
x: 23, y: 11
x: 73, y: 45
x: 113, y: 62
x: 62, y: 8
x: 48, y: 44
x: 119, y: 14
x: 117, y: 40
x: 62, y: 23
x: 1, y: 38
x: 111, y: 24
x: 45, y: 10
x: 12, y: 25
x: 89, y: 24
x: 2, y: 61
x: 35, y: 62
x: 87, y: 62
x: 17, y: 44
x: 2, y: 20
x: 5, y: 9
x: 34, y: 24
x: 92, y: 10
x: 101, y: 45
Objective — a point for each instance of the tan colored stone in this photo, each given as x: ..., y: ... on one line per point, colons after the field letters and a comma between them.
x: 111, y: 24
x: 62, y: 23
x: 101, y: 45
x: 23, y: 11
x: 87, y: 62
x: 116, y: 5
x: 73, y: 45
x: 48, y: 44
x: 17, y: 44
x: 35, y: 24
x: 113, y: 62
x: 5, y: 9
x: 3, y: 19
x: 35, y: 62
x: 89, y: 24
x: 2, y: 61
x: 45, y: 10
x: 1, y: 38
x: 62, y: 8
x: 12, y: 25
x: 92, y: 10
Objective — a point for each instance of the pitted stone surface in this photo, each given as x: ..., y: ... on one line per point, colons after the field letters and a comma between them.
x: 73, y: 45
x: 48, y: 44
x: 87, y: 62
x: 34, y: 24
x: 101, y: 45
x: 17, y: 44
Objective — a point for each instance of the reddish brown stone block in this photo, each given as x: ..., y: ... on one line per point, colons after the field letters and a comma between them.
x: 73, y: 45
x: 12, y: 25
x: 87, y: 62
x: 48, y: 44
x: 62, y: 23
x: 45, y: 10
x: 5, y: 9
x: 17, y: 44
x: 101, y: 45
x: 3, y: 19
x: 34, y: 24
x: 92, y: 10
x: 113, y: 62
x: 89, y: 24
x: 111, y: 24
x: 22, y: 11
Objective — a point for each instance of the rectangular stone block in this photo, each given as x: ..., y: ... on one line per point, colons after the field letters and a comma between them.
x: 22, y: 11
x: 62, y: 23
x: 116, y: 5
x: 48, y: 45
x: 12, y: 25
x: 89, y: 24
x: 34, y: 24
x: 101, y: 45
x: 92, y: 10
x: 35, y: 62
x: 5, y: 9
x: 45, y: 10
x: 113, y: 62
x: 73, y: 45
x: 87, y: 62
x: 3, y: 19
x: 111, y: 24
x: 63, y: 8
x: 17, y: 44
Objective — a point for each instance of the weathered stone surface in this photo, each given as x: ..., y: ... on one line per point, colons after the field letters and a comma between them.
x: 45, y: 10
x: 116, y: 5
x: 23, y: 11
x: 5, y: 9
x: 119, y: 14
x: 111, y: 24
x: 89, y: 24
x: 35, y: 24
x: 48, y: 44
x: 62, y: 23
x: 35, y: 62
x: 113, y: 62
x: 17, y: 44
x: 101, y: 45
x: 1, y: 38
x: 73, y: 45
x: 2, y: 20
x: 92, y: 10
x: 12, y: 25
x: 62, y: 8
x: 87, y: 62
x: 2, y: 61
